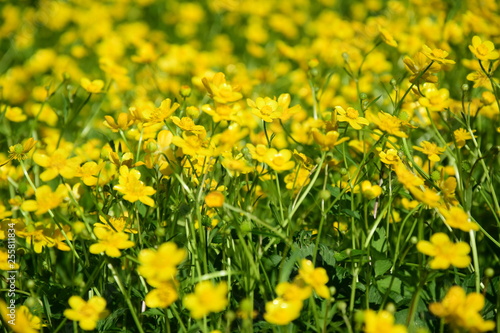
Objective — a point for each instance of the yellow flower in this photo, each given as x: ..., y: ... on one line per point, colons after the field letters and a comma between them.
x: 297, y: 179
x: 279, y: 160
x: 266, y: 108
x: 20, y: 151
x: 436, y: 100
x: 282, y: 312
x: 315, y: 277
x: 387, y: 37
x: 164, y: 296
x: 56, y: 164
x: 462, y: 311
x: 206, y: 298
x: 406, y: 177
x: 123, y: 122
x: 20, y: 319
x: 221, y: 91
x: 296, y: 291
x: 457, y: 218
x: 15, y: 114
x: 192, y: 145
x: 437, y: 55
x: 461, y: 135
x: 445, y: 252
x: 329, y: 140
x: 90, y: 173
x: 93, y: 87
x: 389, y: 157
x: 187, y: 124
x: 418, y: 64
x: 162, y: 113
x: 483, y: 50
x: 426, y: 196
x: 351, y: 116
x: 87, y: 313
x: 132, y: 188
x: 159, y: 266
x: 382, y: 321
x: 116, y: 224
x: 389, y: 124
x: 370, y: 191
x: 45, y: 199
x: 214, y: 199
x: 110, y: 242
x: 431, y: 150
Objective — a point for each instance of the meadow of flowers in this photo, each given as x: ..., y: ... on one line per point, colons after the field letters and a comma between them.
x: 249, y: 166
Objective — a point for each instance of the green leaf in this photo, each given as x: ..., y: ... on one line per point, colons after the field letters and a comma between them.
x: 382, y: 266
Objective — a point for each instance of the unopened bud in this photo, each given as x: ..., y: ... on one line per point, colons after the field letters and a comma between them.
x: 185, y: 91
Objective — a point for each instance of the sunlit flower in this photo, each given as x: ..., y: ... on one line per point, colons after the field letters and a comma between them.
x: 387, y: 37
x: 162, y: 113
x: 132, y: 188
x: 436, y: 100
x: 462, y: 311
x: 382, y: 321
x: 445, y: 252
x: 426, y: 196
x: 418, y: 65
x: 279, y: 160
x: 351, y: 116
x: 389, y: 124
x: 297, y: 179
x: 20, y: 151
x: 296, y: 291
x: 86, y: 313
x: 483, y: 50
x: 110, y: 242
x: 24, y: 321
x: 116, y: 224
x: 187, y: 124
x: 406, y: 177
x: 282, y: 312
x: 206, y: 298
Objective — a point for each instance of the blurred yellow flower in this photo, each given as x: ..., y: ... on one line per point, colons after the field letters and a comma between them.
x: 221, y: 91
x: 329, y: 140
x: 123, y: 122
x: 462, y: 311
x: 214, y: 199
x: 206, y: 298
x: 86, y: 313
x: 160, y: 266
x: 23, y: 320
x: 45, y: 199
x: 436, y: 55
x: 369, y: 190
x: 93, y: 87
x: 461, y: 135
x: 457, y: 218
x: 381, y: 322
x: 315, y: 277
x: 445, y: 252
x: 389, y: 157
x: 282, y: 312
x: 57, y: 163
x: 163, y: 296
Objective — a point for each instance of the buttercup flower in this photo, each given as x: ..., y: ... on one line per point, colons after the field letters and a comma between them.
x: 461, y: 135
x: 57, y: 163
x: 282, y: 312
x: 160, y: 266
x: 462, y: 311
x: 436, y: 55
x: 110, y: 242
x: 206, y: 298
x: 483, y: 50
x: 266, y: 108
x: 315, y: 277
x: 351, y: 116
x: 163, y: 296
x: 214, y: 199
x: 431, y: 150
x: 279, y: 160
x: 445, y: 252
x: 382, y: 321
x: 93, y: 87
x: 25, y: 321
x: 457, y: 218
x: 329, y: 140
x: 86, y: 313
x: 132, y: 188
x: 221, y: 91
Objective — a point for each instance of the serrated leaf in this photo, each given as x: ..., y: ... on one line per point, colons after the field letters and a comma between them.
x: 328, y: 255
